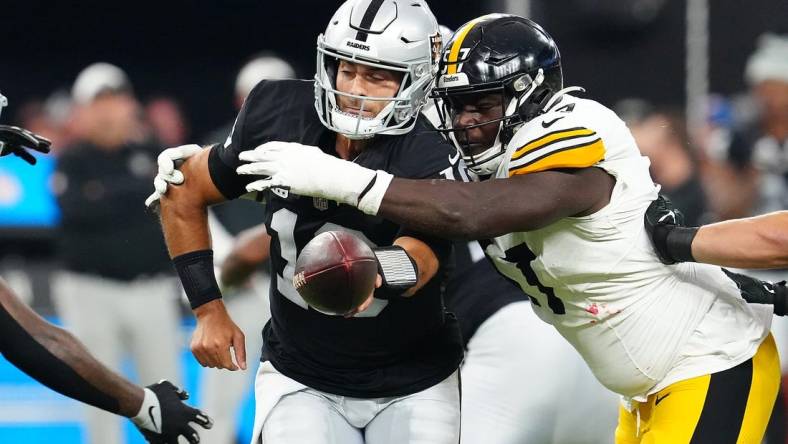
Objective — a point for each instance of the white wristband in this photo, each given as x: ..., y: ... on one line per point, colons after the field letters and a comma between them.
x: 370, y: 200
x: 149, y: 416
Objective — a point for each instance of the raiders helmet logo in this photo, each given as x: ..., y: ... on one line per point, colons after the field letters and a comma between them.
x: 436, y: 43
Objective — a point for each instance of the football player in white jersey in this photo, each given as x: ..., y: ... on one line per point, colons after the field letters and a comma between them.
x: 562, y: 201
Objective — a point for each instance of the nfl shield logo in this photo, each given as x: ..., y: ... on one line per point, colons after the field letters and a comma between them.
x: 320, y: 203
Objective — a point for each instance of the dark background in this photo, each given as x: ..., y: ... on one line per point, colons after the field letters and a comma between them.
x: 193, y: 49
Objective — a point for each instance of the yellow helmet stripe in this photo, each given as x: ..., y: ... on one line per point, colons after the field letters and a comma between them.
x: 455, y: 47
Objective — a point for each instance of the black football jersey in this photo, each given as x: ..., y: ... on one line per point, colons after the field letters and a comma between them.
x: 398, y: 346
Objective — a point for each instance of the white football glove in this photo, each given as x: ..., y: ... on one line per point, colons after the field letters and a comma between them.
x: 168, y: 173
x: 306, y: 170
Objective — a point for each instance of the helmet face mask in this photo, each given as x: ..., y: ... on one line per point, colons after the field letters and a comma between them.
x: 400, y: 38
x: 499, y: 55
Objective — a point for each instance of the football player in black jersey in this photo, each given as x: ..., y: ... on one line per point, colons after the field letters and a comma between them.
x: 389, y: 374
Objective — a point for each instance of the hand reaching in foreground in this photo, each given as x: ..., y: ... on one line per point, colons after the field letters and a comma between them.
x: 18, y: 141
x: 164, y: 416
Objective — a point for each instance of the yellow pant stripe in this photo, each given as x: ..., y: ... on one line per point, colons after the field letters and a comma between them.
x: 673, y: 415
x: 763, y: 392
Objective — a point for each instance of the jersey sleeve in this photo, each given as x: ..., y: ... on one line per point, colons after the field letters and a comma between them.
x: 571, y: 145
x: 223, y: 159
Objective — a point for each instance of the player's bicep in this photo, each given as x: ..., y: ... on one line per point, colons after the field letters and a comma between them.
x: 198, y: 187
x: 551, y: 195
x: 426, y: 260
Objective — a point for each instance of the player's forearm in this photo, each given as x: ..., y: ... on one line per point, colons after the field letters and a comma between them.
x: 427, y: 262
x: 185, y: 225
x: 483, y: 210
x: 58, y: 360
x: 251, y: 249
x: 235, y: 271
x: 443, y: 208
x: 73, y: 353
x: 757, y: 242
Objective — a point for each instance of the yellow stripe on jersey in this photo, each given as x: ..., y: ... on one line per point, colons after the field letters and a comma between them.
x: 550, y: 138
x: 455, y: 47
x: 577, y: 156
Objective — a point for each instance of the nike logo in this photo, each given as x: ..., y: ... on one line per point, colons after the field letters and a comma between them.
x: 547, y: 124
x: 670, y: 215
x: 150, y: 414
x: 453, y: 160
x: 660, y: 399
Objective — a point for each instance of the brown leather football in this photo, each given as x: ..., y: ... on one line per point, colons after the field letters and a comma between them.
x: 335, y: 272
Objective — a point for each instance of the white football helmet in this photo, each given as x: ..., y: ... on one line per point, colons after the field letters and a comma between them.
x: 395, y: 35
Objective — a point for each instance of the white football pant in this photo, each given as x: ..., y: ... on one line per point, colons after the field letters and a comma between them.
x: 288, y: 412
x: 523, y: 383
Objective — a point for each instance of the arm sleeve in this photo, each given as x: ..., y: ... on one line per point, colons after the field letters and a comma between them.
x: 22, y: 350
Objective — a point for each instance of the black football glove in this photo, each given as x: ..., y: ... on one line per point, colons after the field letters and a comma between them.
x: 17, y: 141
x: 665, y: 226
x: 756, y: 291
x: 173, y: 418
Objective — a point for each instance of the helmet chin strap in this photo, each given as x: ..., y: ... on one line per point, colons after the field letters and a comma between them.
x: 557, y: 96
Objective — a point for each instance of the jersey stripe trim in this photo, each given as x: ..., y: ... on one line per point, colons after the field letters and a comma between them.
x: 551, y: 147
x: 575, y: 156
x: 551, y: 138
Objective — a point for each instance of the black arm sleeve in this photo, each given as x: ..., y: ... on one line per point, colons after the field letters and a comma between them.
x: 34, y: 359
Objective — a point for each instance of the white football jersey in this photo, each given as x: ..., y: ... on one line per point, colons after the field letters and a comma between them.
x: 639, y: 324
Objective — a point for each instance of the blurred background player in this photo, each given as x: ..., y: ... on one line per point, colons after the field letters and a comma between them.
x: 116, y: 290
x: 662, y: 137
x: 58, y: 360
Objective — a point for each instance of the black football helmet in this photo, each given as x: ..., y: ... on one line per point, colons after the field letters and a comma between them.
x: 497, y: 54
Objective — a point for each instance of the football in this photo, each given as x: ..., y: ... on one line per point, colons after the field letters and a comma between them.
x: 335, y: 272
